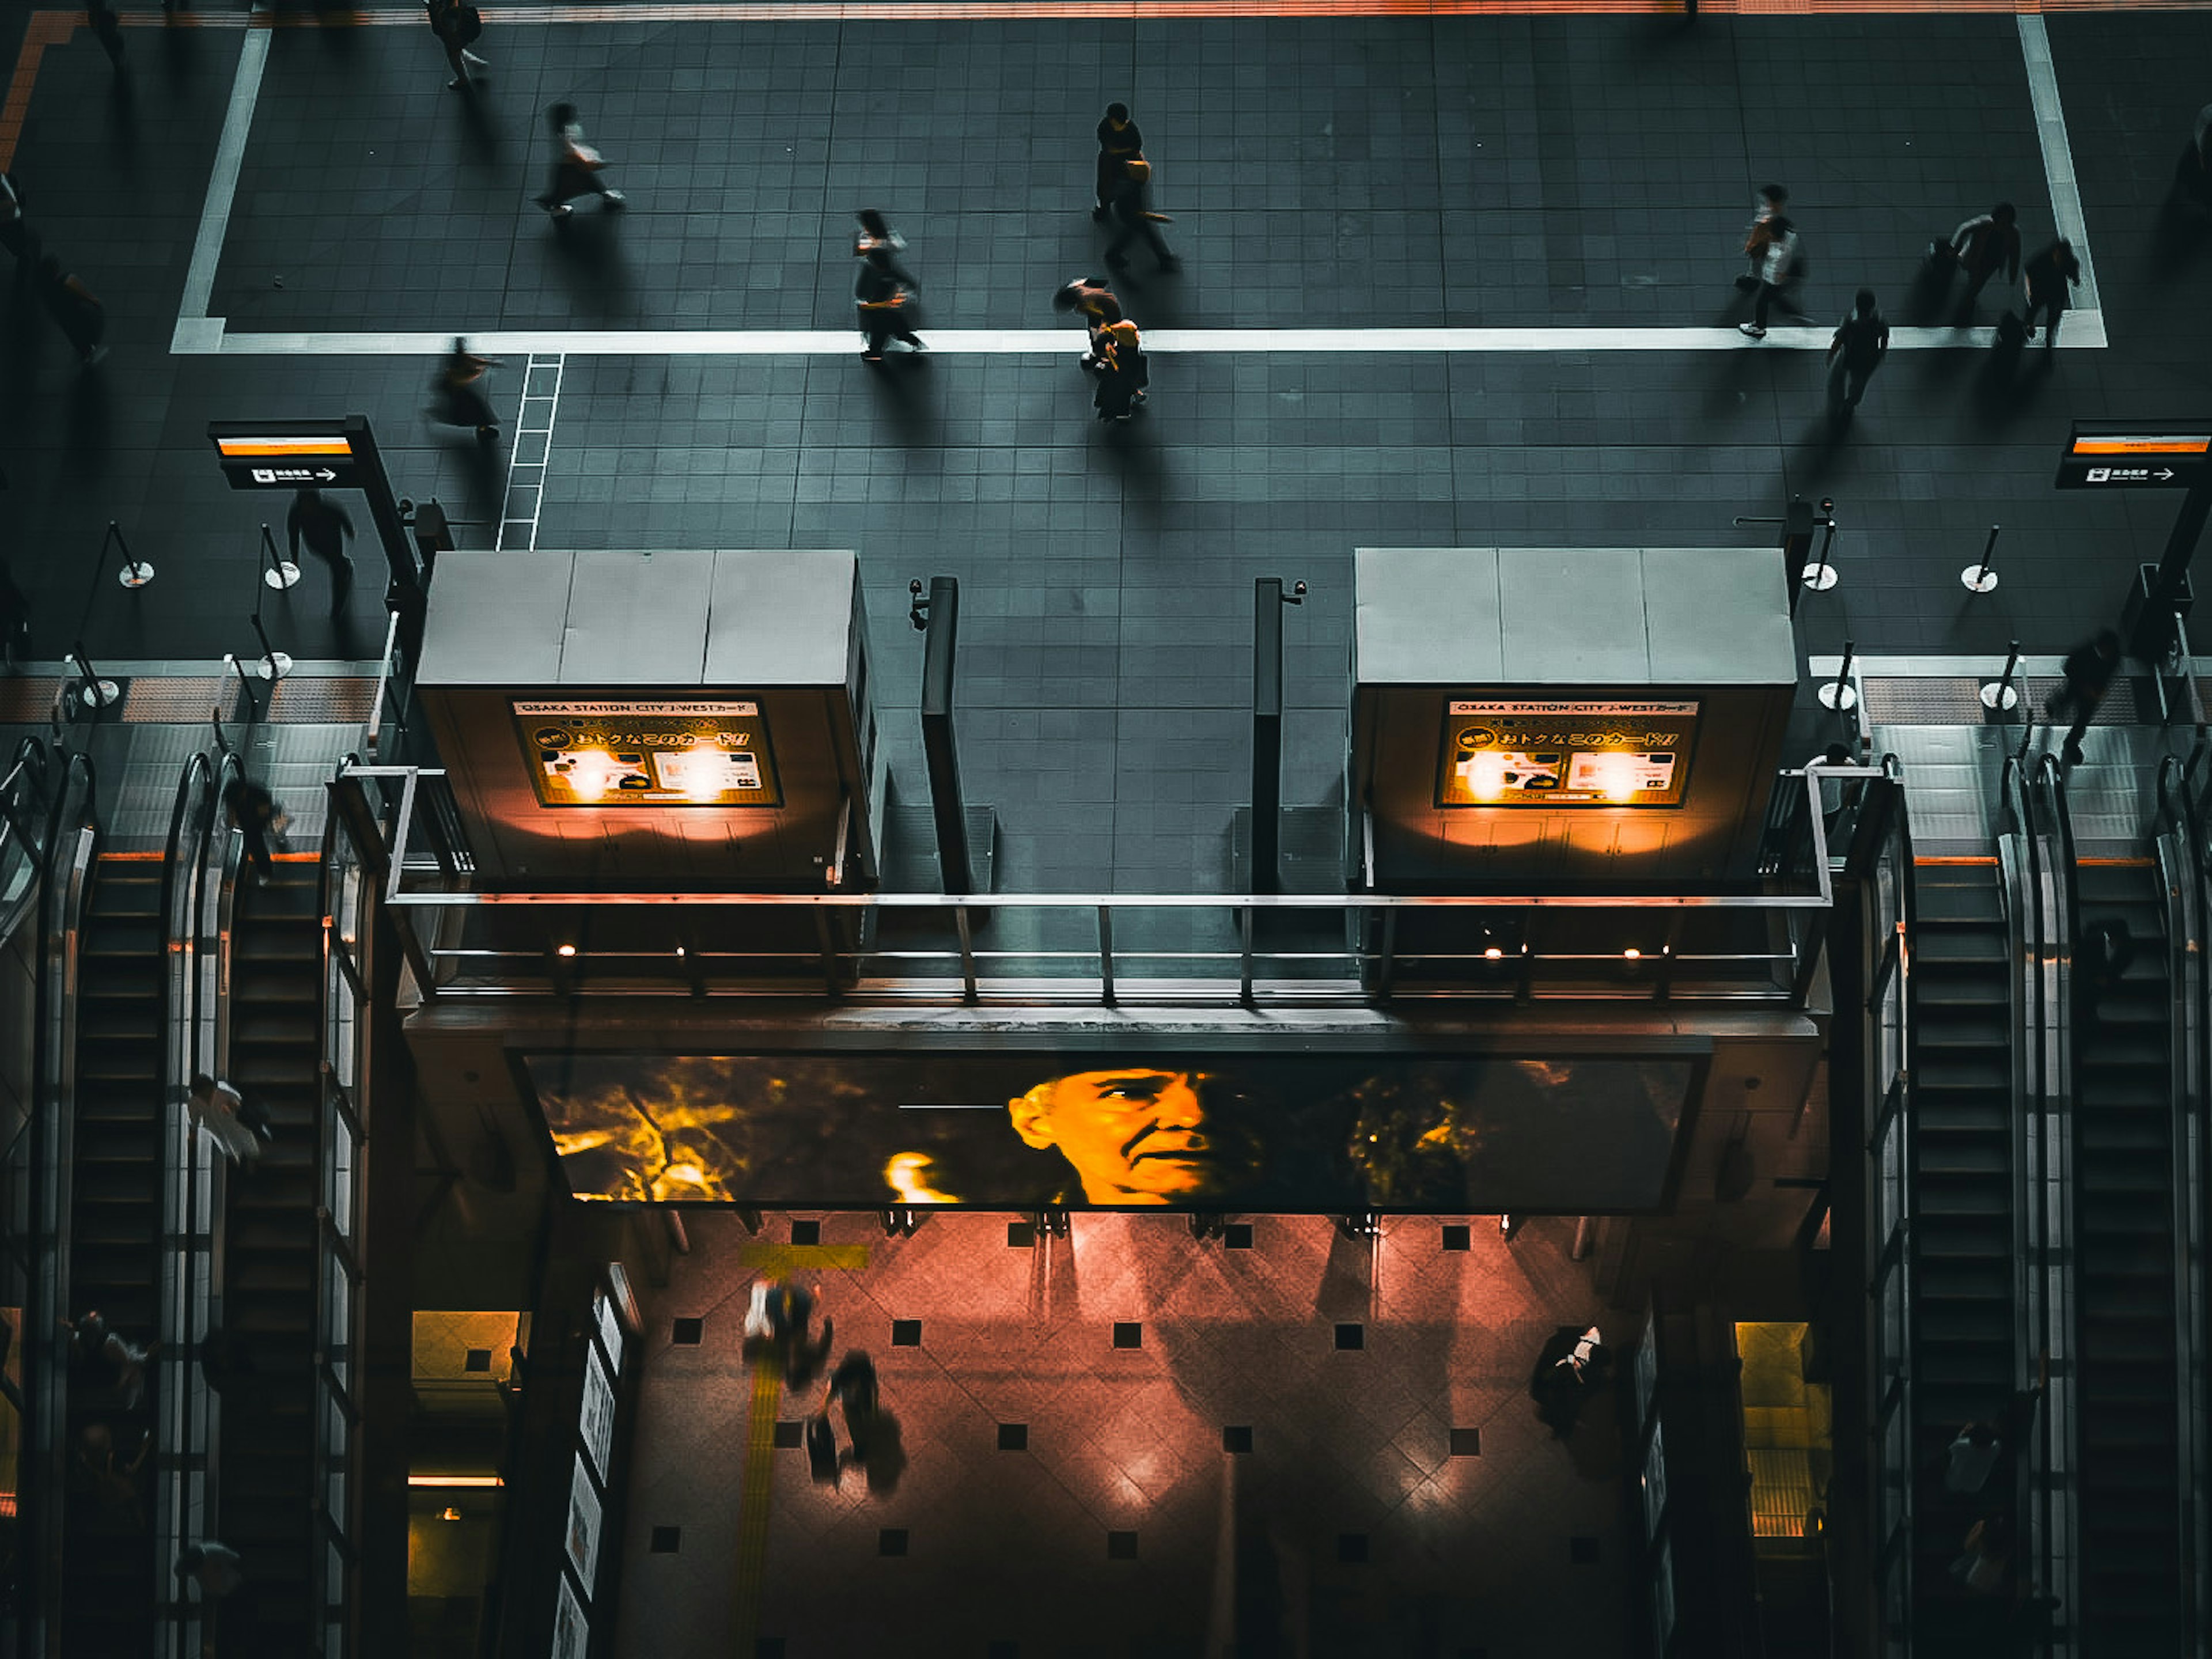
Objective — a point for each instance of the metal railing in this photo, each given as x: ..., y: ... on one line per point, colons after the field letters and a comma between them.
x: 71, y: 839
x: 22, y: 842
x: 1758, y: 942
x: 345, y: 899
x: 191, y: 1199
x: 2035, y: 805
x: 2178, y: 844
x: 1891, y: 1002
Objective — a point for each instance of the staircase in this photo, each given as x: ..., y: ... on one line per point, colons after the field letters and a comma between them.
x: 267, y: 1459
x: 1963, y: 1302
x: 107, y: 1603
x: 2128, y: 1441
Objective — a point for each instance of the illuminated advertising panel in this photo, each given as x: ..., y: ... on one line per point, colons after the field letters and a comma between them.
x: 1517, y: 753
x: 572, y: 1630
x: 583, y: 1540
x: 679, y: 752
x: 597, y: 1424
x: 1315, y: 1133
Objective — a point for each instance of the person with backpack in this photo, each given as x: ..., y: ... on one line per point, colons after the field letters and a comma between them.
x: 1764, y: 211
x: 1780, y: 264
x: 1124, y: 374
x: 458, y: 26
x: 1861, y: 342
x: 1982, y: 246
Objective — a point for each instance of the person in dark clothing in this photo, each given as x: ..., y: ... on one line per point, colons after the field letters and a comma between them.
x: 1135, y: 217
x: 75, y: 309
x: 253, y: 812
x: 873, y: 231
x: 1124, y: 375
x: 881, y: 291
x: 1861, y: 341
x: 2089, y: 669
x: 1984, y: 246
x: 14, y: 617
x: 1089, y: 298
x: 457, y: 394
x: 109, y: 27
x: 1119, y: 142
x: 576, y: 166
x: 1777, y: 269
x: 2192, y: 174
x: 14, y: 232
x: 821, y: 1450
x: 458, y: 27
x: 2108, y: 951
x: 2048, y: 276
x: 324, y: 525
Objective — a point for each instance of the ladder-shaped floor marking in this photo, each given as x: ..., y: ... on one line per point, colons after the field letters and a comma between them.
x: 532, y: 452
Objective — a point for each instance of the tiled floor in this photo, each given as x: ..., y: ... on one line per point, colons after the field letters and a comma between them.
x: 1130, y: 1357
x: 1495, y: 169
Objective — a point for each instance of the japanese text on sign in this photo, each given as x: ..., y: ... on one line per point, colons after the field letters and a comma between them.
x: 1565, y: 753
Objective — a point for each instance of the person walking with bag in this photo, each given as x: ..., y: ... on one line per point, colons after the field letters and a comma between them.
x: 1118, y: 143
x: 1982, y: 246
x: 576, y: 166
x: 1778, y: 269
x: 1136, y: 219
x: 1124, y: 374
x: 2048, y: 279
x: 458, y: 26
x: 1861, y: 342
x: 881, y: 292
x: 1764, y: 211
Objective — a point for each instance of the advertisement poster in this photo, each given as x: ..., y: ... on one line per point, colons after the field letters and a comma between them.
x: 692, y: 752
x: 583, y: 1526
x: 1565, y: 754
x: 611, y: 1330
x: 572, y: 1631
x: 1310, y: 1132
x: 1655, y: 1481
x: 598, y: 1424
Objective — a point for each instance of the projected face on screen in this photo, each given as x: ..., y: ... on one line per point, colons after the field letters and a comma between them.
x: 1139, y: 1134
x: 1253, y: 1133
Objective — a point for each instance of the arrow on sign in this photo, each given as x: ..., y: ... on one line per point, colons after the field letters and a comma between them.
x: 2165, y: 473
x: 326, y: 474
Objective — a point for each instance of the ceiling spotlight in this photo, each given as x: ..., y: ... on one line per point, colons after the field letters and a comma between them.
x: 566, y: 950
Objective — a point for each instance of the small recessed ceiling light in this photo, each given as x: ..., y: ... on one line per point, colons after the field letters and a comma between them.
x: 567, y: 950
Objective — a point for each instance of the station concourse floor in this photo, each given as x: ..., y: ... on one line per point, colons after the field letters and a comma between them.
x: 1349, y: 1528
x: 1512, y: 168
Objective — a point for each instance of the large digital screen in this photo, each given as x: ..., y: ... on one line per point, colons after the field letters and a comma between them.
x: 1518, y: 753
x: 693, y: 753
x: 1307, y: 1133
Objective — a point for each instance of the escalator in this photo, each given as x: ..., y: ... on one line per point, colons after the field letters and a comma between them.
x: 2128, y: 1424
x: 1963, y: 1232
x: 266, y: 1488
x: 107, y: 1603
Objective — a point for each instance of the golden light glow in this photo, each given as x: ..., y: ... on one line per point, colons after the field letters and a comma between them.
x: 910, y: 1176
x: 449, y: 1513
x: 445, y: 1480
x: 1493, y: 953
x: 1632, y: 953
x: 1486, y: 774
x: 566, y: 950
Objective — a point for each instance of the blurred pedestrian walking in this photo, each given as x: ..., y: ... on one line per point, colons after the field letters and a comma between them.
x: 2050, y: 277
x: 213, y: 1565
x: 458, y: 26
x: 1779, y: 266
x: 457, y: 395
x: 1124, y: 374
x: 98, y: 1341
x: 1130, y: 205
x: 2192, y: 174
x: 109, y: 27
x: 14, y: 232
x: 1119, y: 142
x: 576, y: 166
x: 220, y: 1109
x: 1970, y: 1457
x: 75, y: 309
x: 1861, y: 342
x: 322, y: 523
x: 873, y: 231
x: 254, y: 814
x: 1765, y: 208
x: 1091, y: 299
x: 2089, y: 669
x: 1984, y: 246
x: 883, y: 291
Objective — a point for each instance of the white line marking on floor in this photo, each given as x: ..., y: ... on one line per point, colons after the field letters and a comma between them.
x: 531, y: 455
x: 2084, y: 330
x: 2057, y: 153
x: 196, y: 330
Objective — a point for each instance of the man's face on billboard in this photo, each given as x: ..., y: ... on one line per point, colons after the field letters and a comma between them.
x: 1135, y: 1135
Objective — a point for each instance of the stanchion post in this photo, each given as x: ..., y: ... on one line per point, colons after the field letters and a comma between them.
x: 1979, y: 578
x: 1837, y: 693
x: 939, y: 617
x: 1998, y: 695
x: 93, y: 692
x: 274, y: 663
x: 136, y: 572
x: 281, y: 572
x: 1267, y: 602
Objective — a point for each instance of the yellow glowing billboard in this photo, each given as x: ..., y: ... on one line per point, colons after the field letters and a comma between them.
x: 688, y: 752
x: 1520, y: 754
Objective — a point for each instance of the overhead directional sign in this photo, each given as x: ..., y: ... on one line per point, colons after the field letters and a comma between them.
x: 2145, y: 457
x: 286, y: 454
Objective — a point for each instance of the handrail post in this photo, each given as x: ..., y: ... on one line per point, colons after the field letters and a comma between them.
x: 969, y: 991
x: 1245, y: 929
x: 1105, y: 953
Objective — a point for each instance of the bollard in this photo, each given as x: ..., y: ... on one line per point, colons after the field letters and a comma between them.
x: 1821, y: 574
x: 1979, y: 578
x: 274, y: 663
x: 1838, y: 694
x: 136, y: 572
x: 93, y: 692
x: 281, y: 572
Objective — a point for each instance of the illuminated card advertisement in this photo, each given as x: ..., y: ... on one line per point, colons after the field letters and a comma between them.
x: 598, y: 1423
x: 611, y: 1330
x: 1565, y: 754
x: 583, y: 1526
x: 692, y: 752
x: 1303, y: 1132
